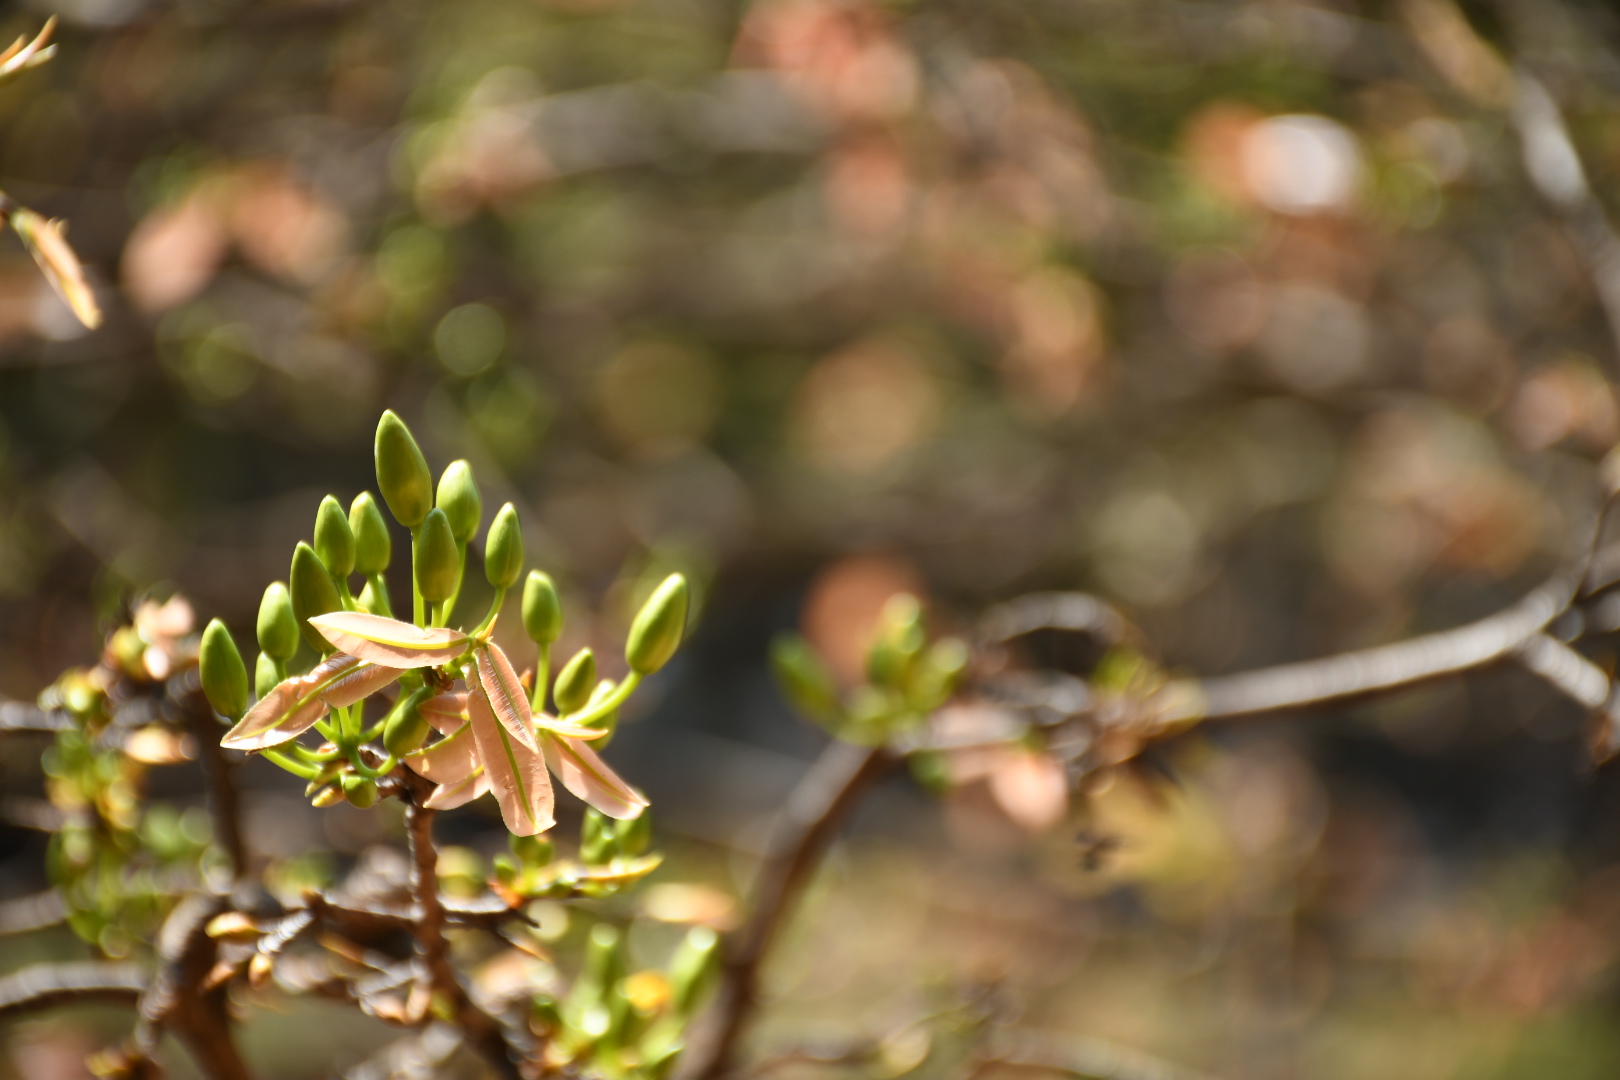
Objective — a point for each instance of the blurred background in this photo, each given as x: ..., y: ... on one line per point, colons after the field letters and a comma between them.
x: 1243, y: 314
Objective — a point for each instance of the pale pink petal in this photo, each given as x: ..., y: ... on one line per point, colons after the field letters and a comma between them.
x: 446, y: 761
x: 448, y: 797
x: 507, y: 701
x: 389, y: 642
x: 446, y: 712
x: 588, y: 776
x: 282, y: 715
x: 517, y: 773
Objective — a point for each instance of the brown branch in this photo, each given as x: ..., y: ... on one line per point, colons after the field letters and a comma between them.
x: 23, y: 716
x: 29, y: 913
x: 482, y: 1031
x: 50, y: 986
x: 174, y: 1002
x: 222, y: 794
x: 815, y: 809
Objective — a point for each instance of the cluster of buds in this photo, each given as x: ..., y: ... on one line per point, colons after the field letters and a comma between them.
x: 907, y: 678
x: 616, y: 1023
x: 115, y: 858
x: 490, y: 730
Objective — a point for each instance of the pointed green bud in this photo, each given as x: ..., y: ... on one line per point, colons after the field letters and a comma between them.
x: 596, y: 840
x: 265, y: 675
x: 404, y: 728
x: 313, y: 593
x: 542, y: 609
x: 531, y: 850
x: 224, y: 676
x: 359, y: 790
x: 334, y: 542
x: 402, y: 472
x: 458, y: 498
x: 503, y: 549
x: 804, y: 679
x: 506, y: 871
x: 659, y: 627
x: 575, y: 682
x: 692, y: 968
x: 373, y: 547
x: 277, y: 627
x: 609, y: 721
x: 634, y: 835
x: 436, y: 557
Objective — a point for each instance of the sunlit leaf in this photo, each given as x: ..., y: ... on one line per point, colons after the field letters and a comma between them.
x: 389, y: 642
x: 588, y: 776
x: 504, y: 693
x: 516, y: 773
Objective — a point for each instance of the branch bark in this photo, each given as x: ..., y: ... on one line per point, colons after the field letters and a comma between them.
x: 50, y: 986
x: 815, y: 809
x: 224, y: 803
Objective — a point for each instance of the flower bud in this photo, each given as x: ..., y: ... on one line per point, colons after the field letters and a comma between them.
x: 506, y: 871
x: 278, y: 627
x: 575, y: 682
x: 659, y: 626
x: 804, y: 679
x: 265, y: 675
x: 373, y: 547
x: 503, y: 549
x: 531, y: 850
x: 436, y: 557
x: 334, y: 541
x: 633, y: 835
x: 313, y: 593
x: 692, y: 968
x: 359, y: 790
x: 224, y: 676
x: 405, y: 729
x: 596, y: 838
x: 402, y: 472
x: 458, y: 498
x: 542, y: 609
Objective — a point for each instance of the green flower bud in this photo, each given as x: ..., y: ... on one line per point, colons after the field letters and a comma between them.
x: 608, y: 721
x: 575, y: 682
x: 692, y: 968
x: 312, y: 594
x: 373, y: 547
x: 596, y: 840
x: 634, y: 835
x: 404, y: 728
x: 458, y: 498
x: 334, y: 541
x: 436, y: 557
x: 659, y: 627
x: 278, y: 627
x: 402, y: 472
x: 265, y: 674
x: 359, y: 790
x: 805, y: 680
x: 531, y: 850
x: 542, y: 609
x: 503, y: 549
x: 224, y: 676
x: 506, y: 871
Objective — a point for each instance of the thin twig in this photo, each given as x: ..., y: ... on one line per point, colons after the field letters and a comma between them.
x: 50, y: 986
x: 815, y: 809
x: 29, y: 913
x: 175, y: 1001
x: 223, y: 800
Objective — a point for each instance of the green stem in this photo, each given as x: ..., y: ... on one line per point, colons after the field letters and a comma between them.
x: 378, y: 589
x: 621, y: 693
x: 455, y: 593
x: 328, y: 732
x: 297, y: 768
x: 494, y: 609
x: 313, y: 757
x: 452, y: 737
x: 418, y: 612
x: 542, y: 677
x: 367, y: 771
x: 342, y: 586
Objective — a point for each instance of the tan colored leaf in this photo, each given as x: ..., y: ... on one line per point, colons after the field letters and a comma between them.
x: 588, y: 776
x: 446, y: 712
x: 389, y: 642
x: 504, y: 693
x: 61, y: 267
x: 448, y: 761
x: 516, y: 773
x: 448, y: 797
x: 282, y: 715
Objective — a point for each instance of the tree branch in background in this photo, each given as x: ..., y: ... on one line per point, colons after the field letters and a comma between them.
x: 51, y: 986
x: 223, y: 799
x: 815, y: 809
x: 176, y: 1001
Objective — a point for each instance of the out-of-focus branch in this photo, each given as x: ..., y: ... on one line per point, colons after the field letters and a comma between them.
x: 50, y: 986
x: 25, y: 716
x: 1078, y: 1056
x: 815, y: 809
x: 29, y: 913
x: 176, y: 1002
x: 482, y: 1031
x: 223, y: 799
